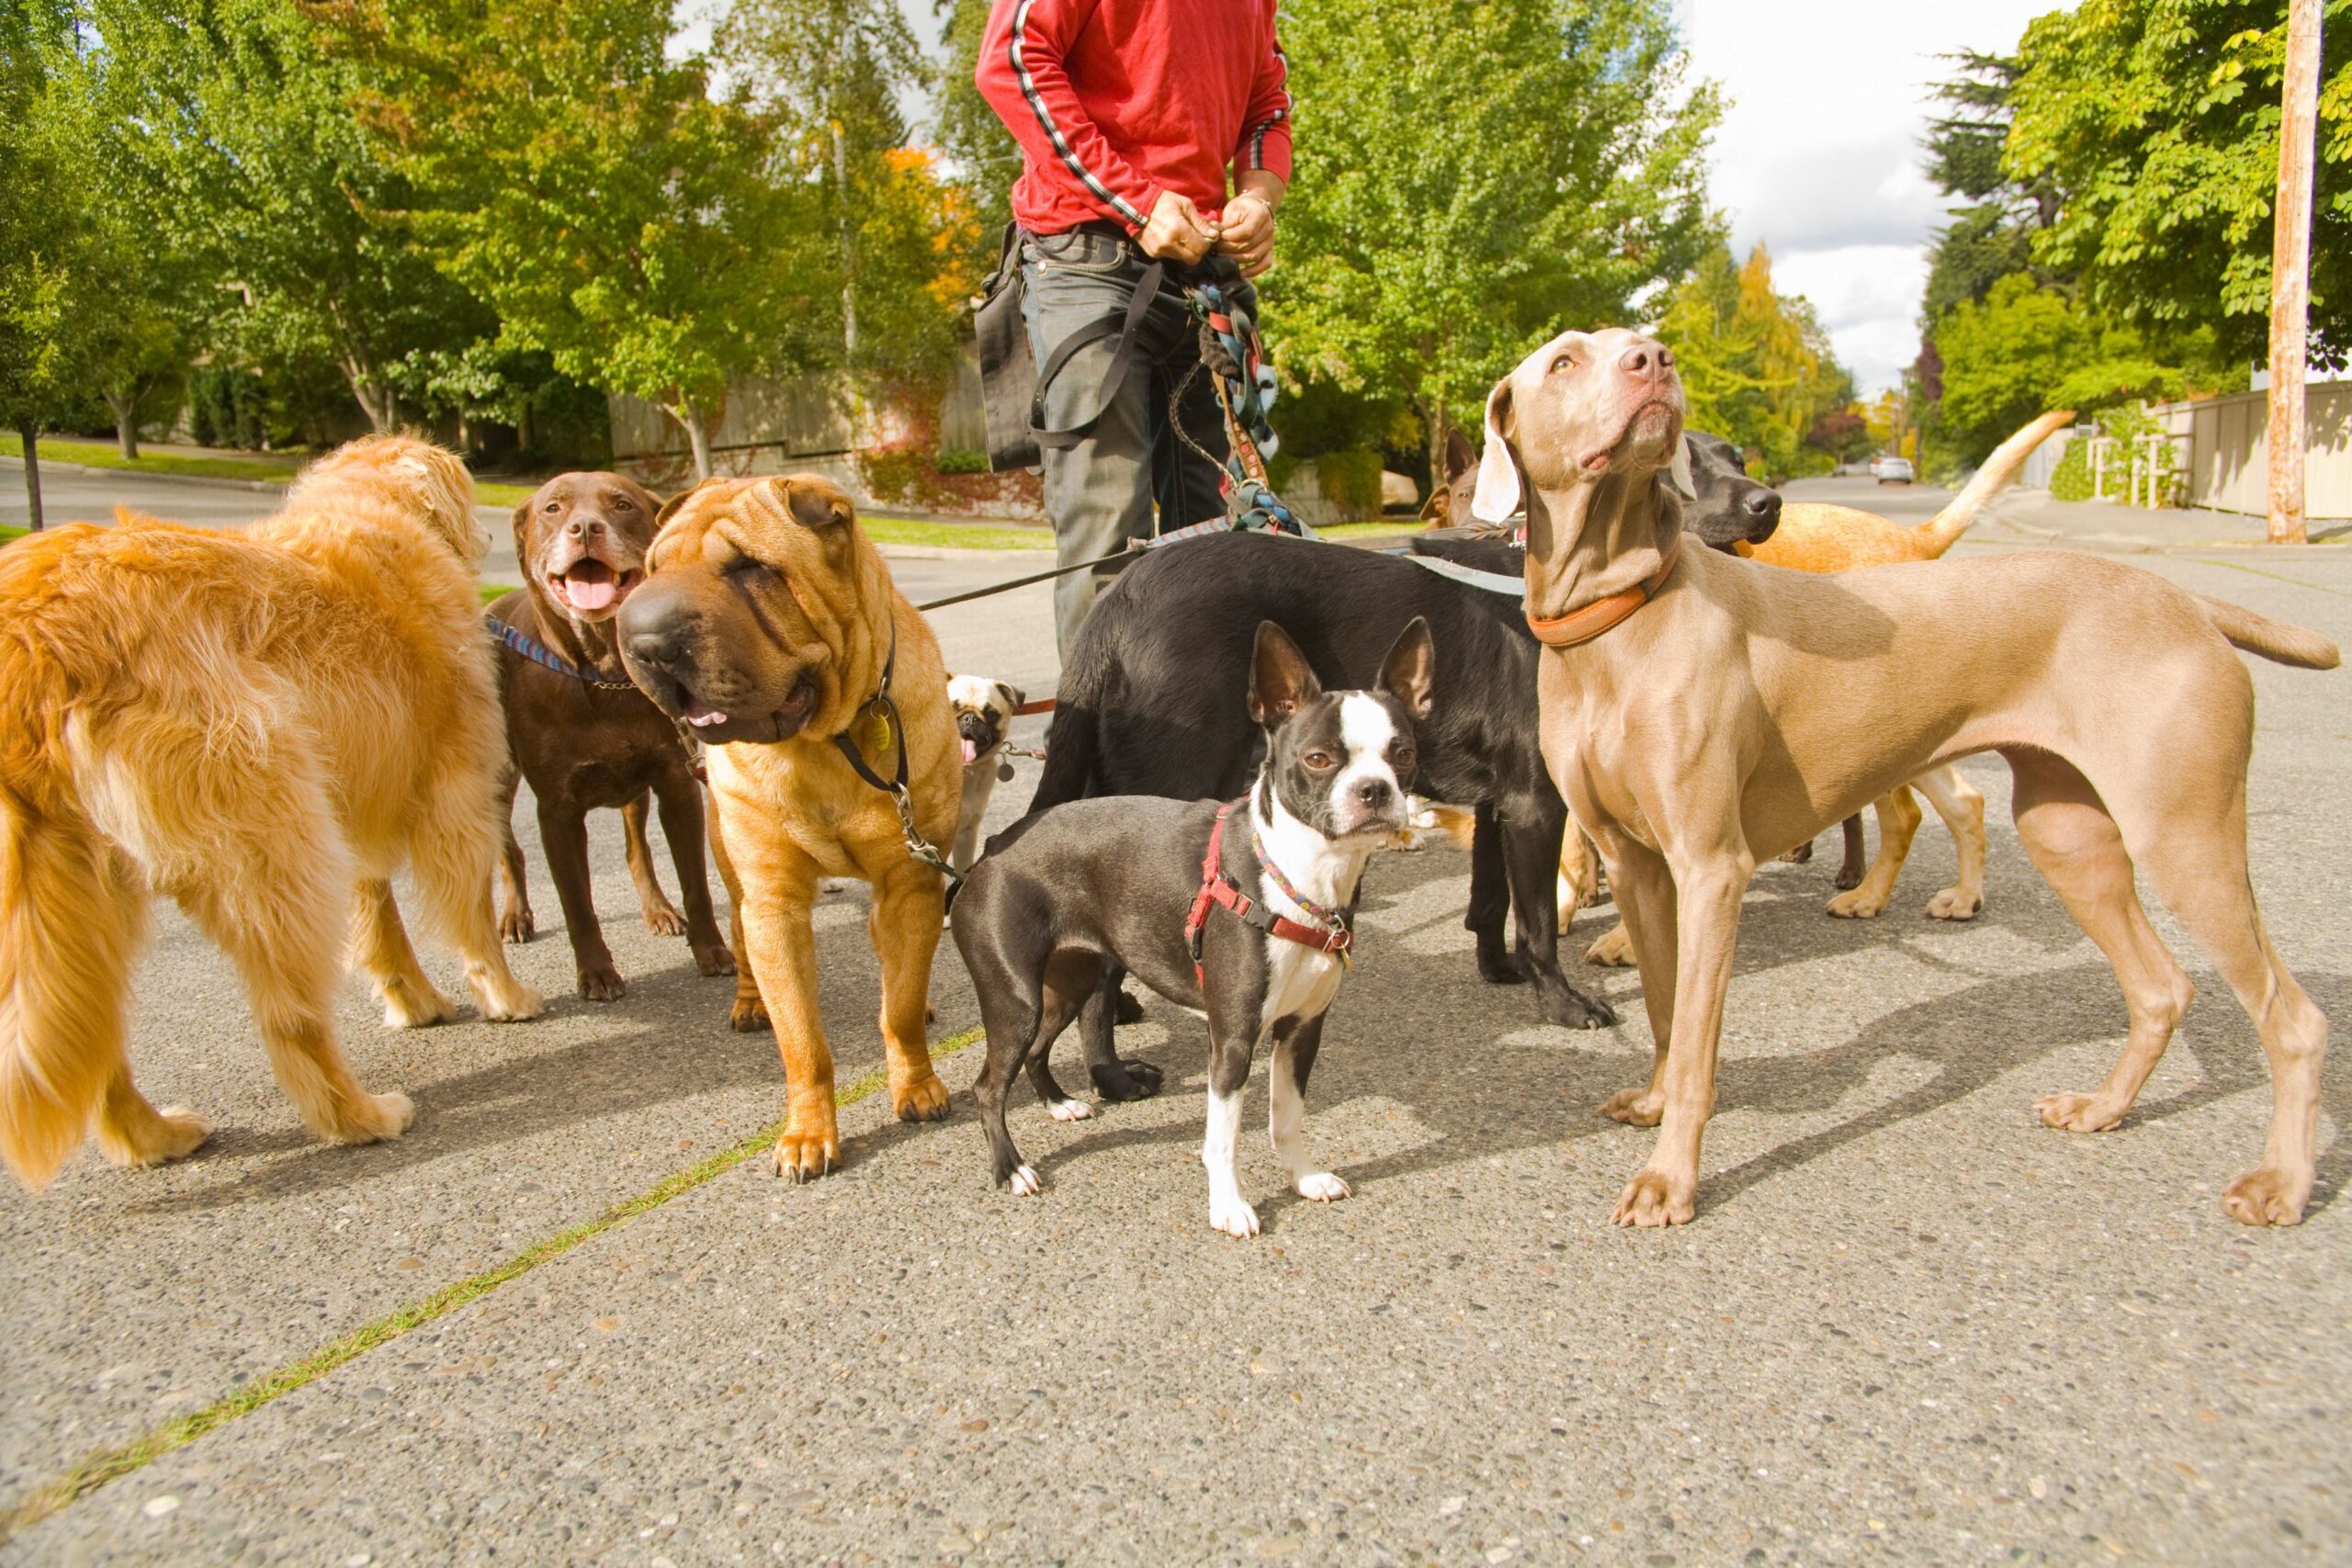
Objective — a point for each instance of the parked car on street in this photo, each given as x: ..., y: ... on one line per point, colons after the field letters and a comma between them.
x: 1892, y: 470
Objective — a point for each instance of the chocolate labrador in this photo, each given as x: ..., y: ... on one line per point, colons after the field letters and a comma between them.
x: 582, y: 733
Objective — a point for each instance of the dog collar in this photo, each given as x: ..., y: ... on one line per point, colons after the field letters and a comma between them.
x: 1587, y: 622
x: 541, y: 654
x: 1216, y: 888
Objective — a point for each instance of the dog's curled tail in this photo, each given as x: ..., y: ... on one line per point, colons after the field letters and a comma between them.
x: 1941, y: 532
x: 2274, y: 640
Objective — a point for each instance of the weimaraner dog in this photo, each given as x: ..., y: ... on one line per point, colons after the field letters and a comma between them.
x: 1703, y: 714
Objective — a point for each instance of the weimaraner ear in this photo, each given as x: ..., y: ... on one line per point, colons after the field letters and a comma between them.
x: 1680, y: 469
x: 1497, y: 499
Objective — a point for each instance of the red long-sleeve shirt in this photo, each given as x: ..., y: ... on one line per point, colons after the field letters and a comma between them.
x: 1114, y: 101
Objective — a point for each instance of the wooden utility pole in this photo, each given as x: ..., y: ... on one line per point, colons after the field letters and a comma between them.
x: 2291, y: 268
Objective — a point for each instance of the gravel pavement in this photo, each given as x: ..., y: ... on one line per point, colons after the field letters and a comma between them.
x: 1910, y: 1323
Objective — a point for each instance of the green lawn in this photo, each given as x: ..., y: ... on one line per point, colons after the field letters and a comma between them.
x: 955, y: 536
x: 7, y: 533
x: 103, y: 455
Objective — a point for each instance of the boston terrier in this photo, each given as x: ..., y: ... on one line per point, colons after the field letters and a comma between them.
x: 1243, y: 909
x: 983, y: 710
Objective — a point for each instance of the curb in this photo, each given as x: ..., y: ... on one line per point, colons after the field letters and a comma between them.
x: 258, y: 486
x: 2141, y: 544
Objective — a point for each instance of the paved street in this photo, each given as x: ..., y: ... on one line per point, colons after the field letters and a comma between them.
x: 1910, y: 1323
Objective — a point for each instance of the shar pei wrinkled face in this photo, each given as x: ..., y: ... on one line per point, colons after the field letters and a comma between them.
x: 764, y: 613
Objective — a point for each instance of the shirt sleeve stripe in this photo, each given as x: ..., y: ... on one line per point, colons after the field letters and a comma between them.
x: 1258, y: 132
x: 1102, y: 192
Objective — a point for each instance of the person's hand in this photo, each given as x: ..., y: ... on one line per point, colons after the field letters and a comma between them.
x: 1247, y: 234
x: 1176, y: 231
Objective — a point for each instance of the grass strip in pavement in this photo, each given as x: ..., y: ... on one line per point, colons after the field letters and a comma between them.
x: 112, y: 1464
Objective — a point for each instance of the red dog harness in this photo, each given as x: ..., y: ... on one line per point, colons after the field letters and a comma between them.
x: 1219, y: 889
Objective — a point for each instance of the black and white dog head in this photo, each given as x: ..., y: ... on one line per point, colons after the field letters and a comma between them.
x: 983, y: 708
x: 1340, y: 762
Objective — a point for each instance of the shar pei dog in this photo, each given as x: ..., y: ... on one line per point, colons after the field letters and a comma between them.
x: 262, y: 726
x: 769, y: 627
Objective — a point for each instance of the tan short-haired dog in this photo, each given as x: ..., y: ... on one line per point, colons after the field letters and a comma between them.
x: 768, y: 625
x: 260, y: 724
x: 1701, y: 714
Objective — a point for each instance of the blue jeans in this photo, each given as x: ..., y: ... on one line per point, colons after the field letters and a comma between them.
x: 1103, y: 490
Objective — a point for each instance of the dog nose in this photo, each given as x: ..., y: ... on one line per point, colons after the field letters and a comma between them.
x: 1373, y: 794
x: 1646, y: 360
x: 653, y: 627
x: 581, y: 528
x: 1764, y: 503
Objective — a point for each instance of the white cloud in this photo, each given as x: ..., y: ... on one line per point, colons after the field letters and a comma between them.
x: 1819, y: 154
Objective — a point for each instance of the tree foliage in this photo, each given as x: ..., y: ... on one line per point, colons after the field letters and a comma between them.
x: 41, y: 229
x: 1473, y: 177
x: 1755, y: 365
x: 2156, y: 121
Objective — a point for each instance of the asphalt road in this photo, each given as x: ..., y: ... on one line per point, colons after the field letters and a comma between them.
x: 1910, y: 1323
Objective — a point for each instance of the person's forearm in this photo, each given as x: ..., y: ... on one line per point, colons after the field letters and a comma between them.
x: 1264, y: 183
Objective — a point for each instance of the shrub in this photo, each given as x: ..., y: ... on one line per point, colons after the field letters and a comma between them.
x: 1350, y: 482
x: 962, y: 460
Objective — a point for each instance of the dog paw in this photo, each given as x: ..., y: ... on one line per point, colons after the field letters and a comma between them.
x: 1233, y: 1217
x: 2267, y: 1197
x: 1069, y: 1110
x: 1499, y: 969
x: 1322, y: 1187
x: 1653, y: 1199
x: 410, y: 1005
x: 663, y: 921
x: 1126, y: 1079
x: 1614, y: 950
x: 603, y: 984
x: 920, y: 1100
x: 712, y: 962
x: 1026, y: 1182
x: 1126, y: 1009
x: 175, y: 1133
x: 374, y: 1118
x: 2079, y: 1112
x: 1642, y: 1107
x: 508, y: 1000
x: 1860, y: 904
x: 517, y: 926
x: 1799, y: 855
x: 748, y: 1016
x: 1565, y: 1005
x: 1948, y: 905
x: 804, y: 1157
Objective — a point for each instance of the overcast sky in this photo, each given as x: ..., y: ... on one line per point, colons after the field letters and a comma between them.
x: 1819, y: 154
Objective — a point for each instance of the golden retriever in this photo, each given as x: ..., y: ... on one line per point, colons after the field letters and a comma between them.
x: 261, y: 726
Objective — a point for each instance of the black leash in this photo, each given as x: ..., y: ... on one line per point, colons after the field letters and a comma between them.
x: 881, y: 711
x: 541, y: 654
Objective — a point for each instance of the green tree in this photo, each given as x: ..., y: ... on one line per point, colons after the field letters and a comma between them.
x: 1757, y: 368
x: 984, y: 157
x: 236, y: 118
x: 617, y: 217
x: 41, y: 189
x: 2156, y: 122
x: 1473, y: 177
x: 2027, y: 349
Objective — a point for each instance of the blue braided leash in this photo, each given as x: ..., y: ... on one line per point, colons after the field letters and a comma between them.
x: 538, y: 653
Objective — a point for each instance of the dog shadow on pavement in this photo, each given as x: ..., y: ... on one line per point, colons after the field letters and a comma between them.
x: 1467, y: 1061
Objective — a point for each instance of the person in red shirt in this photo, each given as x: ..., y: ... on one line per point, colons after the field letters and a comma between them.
x: 1131, y: 115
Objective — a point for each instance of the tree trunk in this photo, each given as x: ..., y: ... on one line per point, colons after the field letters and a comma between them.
x: 2290, y: 264
x: 30, y: 433
x: 376, y: 403
x: 849, y: 254
x: 126, y: 425
x: 1435, y: 420
x: 697, y: 437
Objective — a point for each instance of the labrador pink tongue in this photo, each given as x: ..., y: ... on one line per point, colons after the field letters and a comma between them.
x: 588, y: 595
x: 971, y: 750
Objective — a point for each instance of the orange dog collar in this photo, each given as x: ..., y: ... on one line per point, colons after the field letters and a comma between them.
x: 1587, y: 622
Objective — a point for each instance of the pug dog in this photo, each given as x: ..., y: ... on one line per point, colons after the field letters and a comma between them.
x: 983, y: 711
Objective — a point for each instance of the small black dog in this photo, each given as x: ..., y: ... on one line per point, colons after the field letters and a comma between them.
x: 1245, y: 910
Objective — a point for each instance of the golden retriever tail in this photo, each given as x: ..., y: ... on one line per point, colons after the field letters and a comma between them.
x: 1940, y: 533
x: 2274, y: 640
x: 67, y: 939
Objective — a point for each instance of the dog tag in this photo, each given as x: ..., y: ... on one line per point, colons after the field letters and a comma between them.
x: 877, y: 734
x: 1003, y: 771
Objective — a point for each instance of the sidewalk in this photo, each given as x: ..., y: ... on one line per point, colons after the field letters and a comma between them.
x: 2112, y: 528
